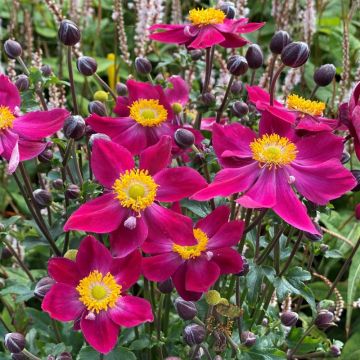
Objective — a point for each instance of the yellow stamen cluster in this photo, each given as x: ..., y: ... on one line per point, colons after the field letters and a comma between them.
x: 148, y: 112
x: 193, y: 251
x: 202, y: 17
x: 135, y: 189
x: 298, y: 103
x: 6, y: 118
x: 98, y: 292
x: 273, y: 150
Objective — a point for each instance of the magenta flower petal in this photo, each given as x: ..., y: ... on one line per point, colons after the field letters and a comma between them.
x: 172, y: 36
x: 122, y: 106
x: 64, y: 271
x: 109, y: 160
x: 228, y: 235
x: 228, y: 260
x: 315, y: 125
x: 159, y: 244
x: 201, y: 274
x: 101, y: 215
x: 260, y: 97
x: 30, y: 149
x: 101, y: 333
x: 62, y: 302
x: 233, y: 41
x: 282, y: 114
x: 213, y: 222
x: 156, y: 157
x: 123, y: 241
x: 93, y: 255
x: 249, y: 27
x: 10, y: 149
x: 9, y: 94
x: 131, y: 311
x: 179, y: 283
x: 179, y: 93
x: 39, y: 124
x: 161, y: 267
x: 126, y: 271
x: 178, y: 183
x: 207, y: 37
x: 271, y: 125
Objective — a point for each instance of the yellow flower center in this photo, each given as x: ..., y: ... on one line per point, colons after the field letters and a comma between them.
x: 6, y: 118
x: 135, y: 189
x: 273, y: 150
x: 202, y: 17
x: 298, y: 103
x: 98, y: 292
x: 148, y: 112
x: 193, y: 251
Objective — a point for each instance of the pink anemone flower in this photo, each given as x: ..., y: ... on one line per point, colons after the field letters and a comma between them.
x: 194, y: 269
x: 207, y: 27
x: 91, y: 291
x: 269, y: 168
x: 302, y: 113
x: 129, y: 208
x: 21, y: 135
x: 145, y: 116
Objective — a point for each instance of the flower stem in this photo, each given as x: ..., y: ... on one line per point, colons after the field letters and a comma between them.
x: 253, y: 73
x: 256, y: 221
x: 271, y: 68
x: 306, y: 333
x: 314, y: 91
x: 223, y: 104
x: 273, y: 82
x: 71, y: 80
x: 293, y: 253
x: 29, y: 355
x: 105, y: 86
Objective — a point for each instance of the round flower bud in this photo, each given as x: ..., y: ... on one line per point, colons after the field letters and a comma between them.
x: 177, y: 108
x: 74, y: 127
x: 245, y: 270
x: 295, y: 54
x: 43, y: 286
x: 279, y: 41
x: 185, y: 309
x: 236, y: 87
x: 324, y: 319
x: 324, y: 75
x: 208, y: 98
x: 356, y: 174
x: 248, y: 338
x: 196, y: 54
x: 143, y: 65
x: 58, y: 184
x: 71, y: 254
x: 86, y: 65
x: 212, y: 297
x: 97, y: 107
x: 239, y: 108
x: 101, y: 95
x: 121, y: 89
x: 265, y: 322
x: 289, y: 318
x: 19, y: 356
x: 14, y: 342
x: 254, y: 56
x: 72, y: 192
x: 335, y: 351
x: 42, y: 197
x: 22, y: 83
x: 51, y: 357
x: 69, y: 34
x: 166, y: 287
x: 184, y: 138
x: 324, y: 248
x: 314, y: 237
x: 45, y: 156
x: 12, y: 49
x: 64, y: 356
x: 345, y: 157
x: 194, y: 334
x: 159, y: 78
x: 5, y: 253
x: 228, y: 9
x: 237, y: 65
x: 93, y: 137
x: 46, y: 70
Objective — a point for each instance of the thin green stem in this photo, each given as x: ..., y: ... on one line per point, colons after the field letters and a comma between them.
x: 71, y: 80
x: 256, y: 221
x: 105, y: 86
x: 29, y: 355
x: 270, y: 247
x: 224, y: 102
x: 306, y: 333
x: 273, y: 82
x: 293, y: 253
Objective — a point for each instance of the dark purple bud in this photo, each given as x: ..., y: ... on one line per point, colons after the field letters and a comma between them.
x: 239, y: 108
x: 324, y: 248
x: 314, y: 237
x: 194, y: 334
x: 335, y: 351
x: 295, y: 54
x: 74, y: 127
x: 58, y: 184
x: 228, y: 9
x: 186, y: 309
x: 96, y: 136
x: 196, y: 54
x: 5, y: 253
x: 97, y: 107
x: 51, y: 357
x: 208, y: 98
x: 254, y: 56
x: 265, y: 322
x: 236, y: 87
x: 143, y: 65
x: 15, y: 342
x: 324, y: 319
x: 46, y: 156
x: 248, y: 338
x: 279, y: 41
x: 64, y: 356
x: 22, y: 83
x: 245, y: 269
x: 19, y: 356
x: 184, y: 138
x: 356, y: 174
x: 12, y: 49
x: 72, y: 192
x: 121, y: 89
x: 166, y: 287
x: 43, y: 286
x: 324, y: 75
x: 46, y: 70
x: 345, y: 157
x: 289, y: 318
x: 237, y: 65
x: 42, y: 197
x: 86, y: 65
x: 69, y: 34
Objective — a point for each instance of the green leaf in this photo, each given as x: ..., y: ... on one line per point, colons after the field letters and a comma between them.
x: 88, y: 353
